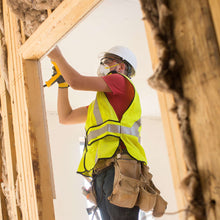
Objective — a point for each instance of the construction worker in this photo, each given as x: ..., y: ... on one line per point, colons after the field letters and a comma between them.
x: 112, y: 124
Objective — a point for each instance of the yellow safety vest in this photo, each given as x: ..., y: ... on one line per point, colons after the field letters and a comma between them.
x: 104, y: 131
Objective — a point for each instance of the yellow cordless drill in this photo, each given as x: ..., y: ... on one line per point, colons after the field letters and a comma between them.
x: 56, y: 77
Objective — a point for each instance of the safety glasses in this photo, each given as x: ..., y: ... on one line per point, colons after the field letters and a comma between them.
x: 106, y: 61
x: 109, y: 60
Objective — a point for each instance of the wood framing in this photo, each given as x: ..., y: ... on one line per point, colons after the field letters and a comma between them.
x: 197, y: 36
x: 25, y: 177
x: 197, y: 33
x: 9, y: 175
x: 60, y: 22
x: 196, y: 41
x: 171, y: 130
x: 28, y: 153
x: 39, y: 140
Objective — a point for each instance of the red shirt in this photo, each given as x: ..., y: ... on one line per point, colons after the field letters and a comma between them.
x: 122, y: 93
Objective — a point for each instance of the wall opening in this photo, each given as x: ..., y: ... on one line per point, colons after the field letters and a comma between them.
x: 111, y: 23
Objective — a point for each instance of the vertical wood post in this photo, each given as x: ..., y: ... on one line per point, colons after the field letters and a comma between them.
x: 196, y: 30
x: 42, y: 165
x: 171, y: 130
x: 8, y: 154
x: 197, y: 35
x: 29, y: 128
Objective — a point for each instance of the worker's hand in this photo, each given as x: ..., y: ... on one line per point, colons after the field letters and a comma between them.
x: 55, y: 54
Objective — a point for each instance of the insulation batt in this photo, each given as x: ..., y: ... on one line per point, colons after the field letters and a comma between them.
x: 31, y: 12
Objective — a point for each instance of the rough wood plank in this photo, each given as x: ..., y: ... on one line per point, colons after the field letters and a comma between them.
x: 151, y: 45
x: 23, y: 38
x: 9, y: 151
x: 171, y: 130
x: 197, y: 44
x: 17, y: 132
x: 27, y: 191
x: 174, y: 147
x: 33, y: 142
x: 42, y: 164
x: 60, y: 22
x: 27, y: 175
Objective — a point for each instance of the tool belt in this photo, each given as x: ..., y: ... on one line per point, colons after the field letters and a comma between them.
x: 104, y: 163
x: 133, y: 186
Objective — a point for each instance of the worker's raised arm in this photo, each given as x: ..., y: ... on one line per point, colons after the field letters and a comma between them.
x: 66, y: 114
x: 73, y: 78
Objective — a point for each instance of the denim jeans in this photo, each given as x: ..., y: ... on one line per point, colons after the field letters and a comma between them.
x: 103, y: 184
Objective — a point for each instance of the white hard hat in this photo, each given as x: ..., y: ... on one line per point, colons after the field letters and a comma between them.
x: 126, y: 54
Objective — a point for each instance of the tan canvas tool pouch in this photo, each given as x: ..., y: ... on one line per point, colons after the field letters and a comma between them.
x: 149, y: 196
x: 126, y: 182
x: 133, y: 187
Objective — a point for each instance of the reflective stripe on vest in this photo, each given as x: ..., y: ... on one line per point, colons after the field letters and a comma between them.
x: 114, y: 128
x: 97, y: 113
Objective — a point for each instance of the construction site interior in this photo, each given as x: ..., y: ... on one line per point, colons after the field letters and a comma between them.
x: 178, y: 79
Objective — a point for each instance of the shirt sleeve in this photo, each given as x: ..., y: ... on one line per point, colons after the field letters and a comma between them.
x: 116, y: 83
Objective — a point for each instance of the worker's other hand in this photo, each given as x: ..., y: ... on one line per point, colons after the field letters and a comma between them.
x: 55, y: 54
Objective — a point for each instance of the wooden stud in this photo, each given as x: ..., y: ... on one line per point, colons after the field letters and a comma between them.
x: 31, y: 138
x: 23, y: 37
x: 19, y: 110
x: 14, y: 110
x: 196, y: 41
x: 9, y: 150
x: 27, y: 172
x: 39, y: 138
x: 197, y: 34
x: 171, y: 130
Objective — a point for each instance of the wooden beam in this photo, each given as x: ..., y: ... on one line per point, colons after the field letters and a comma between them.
x: 59, y: 23
x: 8, y: 152
x: 34, y: 185
x: 171, y: 130
x: 41, y: 155
x: 196, y: 42
x: 17, y: 134
x: 174, y: 147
